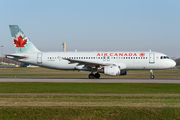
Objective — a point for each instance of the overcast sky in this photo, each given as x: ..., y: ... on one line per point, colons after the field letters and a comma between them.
x: 94, y: 25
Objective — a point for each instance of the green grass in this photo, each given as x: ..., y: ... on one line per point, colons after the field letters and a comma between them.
x: 127, y: 101
x: 51, y: 73
x: 43, y: 76
x: 85, y: 76
x: 89, y: 88
x: 86, y: 107
x: 17, y: 107
x: 35, y: 70
x: 91, y: 113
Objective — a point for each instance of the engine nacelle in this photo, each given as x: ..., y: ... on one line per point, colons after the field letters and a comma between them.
x: 112, y: 70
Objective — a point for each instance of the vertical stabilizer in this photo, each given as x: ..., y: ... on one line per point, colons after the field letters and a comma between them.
x: 21, y: 42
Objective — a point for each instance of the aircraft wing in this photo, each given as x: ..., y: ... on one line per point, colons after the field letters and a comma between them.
x: 87, y: 63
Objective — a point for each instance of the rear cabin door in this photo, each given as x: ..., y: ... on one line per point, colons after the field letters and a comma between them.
x: 151, y: 58
x: 39, y: 58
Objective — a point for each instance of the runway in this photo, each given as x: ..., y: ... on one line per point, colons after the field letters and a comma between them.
x: 82, y: 80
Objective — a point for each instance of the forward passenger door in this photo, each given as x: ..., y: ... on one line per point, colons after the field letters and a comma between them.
x: 151, y: 58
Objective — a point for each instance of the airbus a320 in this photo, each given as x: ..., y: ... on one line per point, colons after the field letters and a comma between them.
x: 109, y: 63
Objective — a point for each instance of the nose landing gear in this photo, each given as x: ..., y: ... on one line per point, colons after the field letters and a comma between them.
x: 152, y: 75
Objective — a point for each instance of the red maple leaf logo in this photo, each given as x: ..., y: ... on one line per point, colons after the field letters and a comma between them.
x: 142, y: 54
x: 20, y: 42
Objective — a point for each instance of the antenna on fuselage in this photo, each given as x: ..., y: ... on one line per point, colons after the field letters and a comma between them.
x: 149, y: 50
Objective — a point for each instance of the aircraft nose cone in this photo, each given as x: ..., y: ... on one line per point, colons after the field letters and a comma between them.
x: 173, y: 63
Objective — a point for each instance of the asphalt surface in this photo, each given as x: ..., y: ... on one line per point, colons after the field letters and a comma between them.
x: 82, y: 80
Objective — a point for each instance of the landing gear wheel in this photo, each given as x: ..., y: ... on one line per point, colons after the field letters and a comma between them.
x: 152, y: 76
x: 97, y: 75
x: 91, y: 76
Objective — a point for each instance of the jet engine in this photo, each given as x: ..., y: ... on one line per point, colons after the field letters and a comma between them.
x: 112, y: 71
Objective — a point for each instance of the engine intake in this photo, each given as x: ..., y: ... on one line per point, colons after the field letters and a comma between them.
x: 112, y: 71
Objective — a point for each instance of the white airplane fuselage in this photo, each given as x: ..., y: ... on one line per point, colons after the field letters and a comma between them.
x: 126, y: 60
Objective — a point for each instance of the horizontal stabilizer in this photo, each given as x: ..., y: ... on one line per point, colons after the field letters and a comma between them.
x: 15, y: 56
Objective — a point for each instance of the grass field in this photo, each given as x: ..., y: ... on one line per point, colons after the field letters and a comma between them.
x: 89, y: 88
x: 86, y: 107
x: 35, y: 70
x: 106, y: 101
x: 51, y: 73
x: 86, y: 76
x: 92, y: 89
x: 89, y: 107
x: 88, y: 113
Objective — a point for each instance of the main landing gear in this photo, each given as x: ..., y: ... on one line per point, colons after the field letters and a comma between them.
x: 152, y: 75
x: 92, y: 76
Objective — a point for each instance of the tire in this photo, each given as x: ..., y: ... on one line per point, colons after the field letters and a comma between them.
x: 91, y: 76
x: 152, y: 76
x: 97, y: 75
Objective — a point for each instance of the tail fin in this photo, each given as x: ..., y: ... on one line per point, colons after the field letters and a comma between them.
x: 21, y: 42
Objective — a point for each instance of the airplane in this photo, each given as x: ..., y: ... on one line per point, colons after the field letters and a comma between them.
x: 109, y: 63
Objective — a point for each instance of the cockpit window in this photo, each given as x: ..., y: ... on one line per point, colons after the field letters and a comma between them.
x: 164, y: 57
